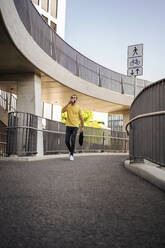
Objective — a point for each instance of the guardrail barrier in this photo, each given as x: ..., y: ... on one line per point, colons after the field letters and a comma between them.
x: 22, y: 136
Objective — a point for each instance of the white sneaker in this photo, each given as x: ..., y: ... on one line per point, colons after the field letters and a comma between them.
x: 71, y: 157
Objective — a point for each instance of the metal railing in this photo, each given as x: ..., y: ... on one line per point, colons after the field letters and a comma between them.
x: 3, y: 139
x: 7, y: 101
x: 3, y: 143
x: 22, y: 136
x: 147, y: 125
x: 68, y: 57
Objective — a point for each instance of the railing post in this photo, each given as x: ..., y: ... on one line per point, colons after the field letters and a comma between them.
x: 122, y: 86
x: 100, y: 85
x: 77, y: 67
x: 7, y: 102
x: 103, y: 140
x: 10, y: 102
x: 133, y: 156
x: 51, y: 111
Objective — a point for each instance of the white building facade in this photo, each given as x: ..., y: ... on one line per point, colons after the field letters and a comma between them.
x: 53, y: 12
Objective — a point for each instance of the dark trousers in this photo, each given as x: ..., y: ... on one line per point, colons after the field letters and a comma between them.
x: 70, y: 138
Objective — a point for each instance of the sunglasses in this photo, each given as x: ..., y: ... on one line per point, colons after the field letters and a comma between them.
x: 73, y: 97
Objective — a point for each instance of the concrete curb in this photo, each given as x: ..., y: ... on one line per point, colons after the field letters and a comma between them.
x: 38, y: 158
x: 151, y: 172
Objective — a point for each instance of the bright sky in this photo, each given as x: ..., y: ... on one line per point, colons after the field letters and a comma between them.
x: 103, y: 29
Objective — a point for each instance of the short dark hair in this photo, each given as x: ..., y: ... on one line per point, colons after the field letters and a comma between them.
x: 75, y: 95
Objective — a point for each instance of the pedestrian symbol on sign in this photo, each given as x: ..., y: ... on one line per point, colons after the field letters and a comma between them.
x: 135, y: 51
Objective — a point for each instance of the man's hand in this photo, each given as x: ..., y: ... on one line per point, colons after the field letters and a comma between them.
x: 82, y: 129
x: 65, y: 108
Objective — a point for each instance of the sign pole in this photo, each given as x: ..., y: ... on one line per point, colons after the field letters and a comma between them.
x: 135, y: 81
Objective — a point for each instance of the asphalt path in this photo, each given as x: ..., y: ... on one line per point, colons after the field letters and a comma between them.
x: 91, y: 202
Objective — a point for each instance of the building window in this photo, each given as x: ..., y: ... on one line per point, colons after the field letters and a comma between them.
x: 54, y: 4
x: 45, y: 18
x: 44, y: 5
x: 53, y: 25
x: 36, y: 2
x: 115, y: 122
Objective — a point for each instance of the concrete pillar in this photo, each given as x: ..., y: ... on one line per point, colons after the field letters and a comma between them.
x: 29, y: 101
x: 125, y: 119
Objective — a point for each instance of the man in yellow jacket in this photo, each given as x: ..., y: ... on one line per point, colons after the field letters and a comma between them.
x: 74, y: 114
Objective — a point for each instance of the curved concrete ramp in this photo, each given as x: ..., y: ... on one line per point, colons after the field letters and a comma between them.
x: 92, y: 202
x: 21, y: 54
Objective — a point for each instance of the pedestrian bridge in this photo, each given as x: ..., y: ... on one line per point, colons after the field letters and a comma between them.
x: 38, y: 66
x: 31, y: 46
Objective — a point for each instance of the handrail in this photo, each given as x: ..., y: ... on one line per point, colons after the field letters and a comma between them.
x: 58, y: 132
x: 53, y: 136
x: 143, y: 116
x: 38, y: 116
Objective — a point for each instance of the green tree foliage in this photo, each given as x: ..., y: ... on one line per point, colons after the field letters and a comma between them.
x: 63, y: 117
x: 88, y: 116
x: 95, y: 124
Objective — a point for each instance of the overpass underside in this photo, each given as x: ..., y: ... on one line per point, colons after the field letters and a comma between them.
x: 15, y: 65
x: 38, y: 66
x: 53, y: 92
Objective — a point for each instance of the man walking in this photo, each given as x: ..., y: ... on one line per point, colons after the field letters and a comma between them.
x: 74, y: 114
